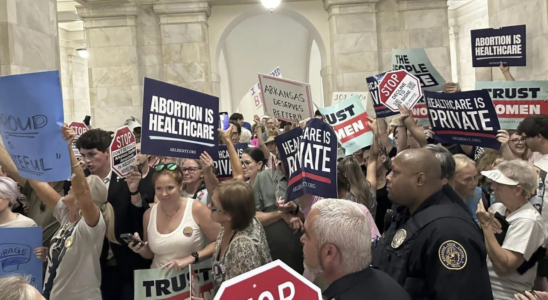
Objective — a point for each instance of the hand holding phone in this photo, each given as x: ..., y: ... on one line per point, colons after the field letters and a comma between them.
x: 134, y: 241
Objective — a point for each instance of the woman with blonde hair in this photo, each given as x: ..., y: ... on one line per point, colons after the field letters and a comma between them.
x: 465, y: 182
x: 86, y: 217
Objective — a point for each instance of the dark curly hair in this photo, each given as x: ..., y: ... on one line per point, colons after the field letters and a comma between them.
x: 94, y: 139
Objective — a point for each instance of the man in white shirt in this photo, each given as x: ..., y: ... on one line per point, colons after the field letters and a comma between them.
x: 508, y: 254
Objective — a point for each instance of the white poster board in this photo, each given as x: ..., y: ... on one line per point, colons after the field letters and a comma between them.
x: 286, y: 99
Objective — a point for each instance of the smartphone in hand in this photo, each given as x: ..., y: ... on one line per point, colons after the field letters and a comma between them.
x: 130, y: 238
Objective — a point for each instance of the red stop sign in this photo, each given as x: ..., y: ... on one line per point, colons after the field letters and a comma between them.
x: 79, y: 128
x: 123, y: 151
x: 274, y: 281
x: 399, y: 87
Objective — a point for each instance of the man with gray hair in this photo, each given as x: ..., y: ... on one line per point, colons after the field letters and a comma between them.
x: 16, y: 287
x: 337, y: 249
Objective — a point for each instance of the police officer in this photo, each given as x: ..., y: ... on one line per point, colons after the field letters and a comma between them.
x: 432, y: 247
x: 337, y: 249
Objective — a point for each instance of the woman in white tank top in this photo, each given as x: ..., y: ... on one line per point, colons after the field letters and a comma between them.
x: 176, y: 228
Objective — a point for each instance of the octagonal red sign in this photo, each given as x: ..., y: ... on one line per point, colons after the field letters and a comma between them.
x: 399, y: 88
x: 123, y: 151
x: 273, y: 281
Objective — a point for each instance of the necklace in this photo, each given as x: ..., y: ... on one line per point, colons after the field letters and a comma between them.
x: 381, y: 182
x: 169, y: 216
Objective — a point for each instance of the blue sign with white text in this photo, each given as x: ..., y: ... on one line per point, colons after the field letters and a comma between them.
x: 465, y: 118
x: 30, y: 124
x: 380, y: 109
x: 17, y: 253
x: 492, y: 46
x: 309, y: 156
x: 223, y: 166
x: 178, y: 122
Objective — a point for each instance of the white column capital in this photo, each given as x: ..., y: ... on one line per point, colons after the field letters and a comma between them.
x: 108, y: 15
x: 341, y: 7
x: 406, y: 5
x: 182, y: 11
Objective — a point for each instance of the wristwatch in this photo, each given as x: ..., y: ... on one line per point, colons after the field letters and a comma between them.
x: 196, y: 256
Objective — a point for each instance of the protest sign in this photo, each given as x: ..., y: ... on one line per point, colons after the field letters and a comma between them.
x: 491, y: 46
x: 349, y: 120
x: 310, y: 160
x: 178, y: 122
x: 123, y: 151
x: 155, y: 284
x: 381, y: 111
x: 224, y: 169
x: 273, y: 281
x: 466, y: 118
x: 515, y: 100
x: 339, y: 97
x: 416, y: 62
x: 255, y: 91
x: 286, y: 100
x: 399, y: 88
x: 30, y: 125
x: 79, y: 128
x: 17, y: 253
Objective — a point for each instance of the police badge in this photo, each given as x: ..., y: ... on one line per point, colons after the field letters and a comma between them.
x: 452, y: 255
x: 399, y: 238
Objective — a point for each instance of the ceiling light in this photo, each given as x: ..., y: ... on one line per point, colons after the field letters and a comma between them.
x: 271, y: 4
x: 83, y: 52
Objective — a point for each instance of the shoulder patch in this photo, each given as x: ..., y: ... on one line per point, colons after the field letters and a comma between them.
x: 452, y: 255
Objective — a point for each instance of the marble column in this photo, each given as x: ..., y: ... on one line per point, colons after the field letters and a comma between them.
x: 425, y: 24
x: 185, y: 44
x: 28, y: 36
x: 327, y: 85
x: 113, y: 64
x: 353, y: 36
x: 534, y: 14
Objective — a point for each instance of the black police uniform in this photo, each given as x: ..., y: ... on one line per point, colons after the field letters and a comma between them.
x: 368, y: 283
x: 436, y: 253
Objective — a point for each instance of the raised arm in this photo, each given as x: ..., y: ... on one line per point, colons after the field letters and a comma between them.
x: 383, y: 134
x: 506, y: 72
x: 210, y: 179
x: 9, y: 167
x: 235, y: 163
x: 503, y: 137
x: 401, y: 131
x: 373, y: 154
x: 260, y: 138
x: 414, y: 129
x: 80, y: 186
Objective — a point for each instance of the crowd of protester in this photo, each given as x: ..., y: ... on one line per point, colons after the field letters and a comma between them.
x: 414, y: 219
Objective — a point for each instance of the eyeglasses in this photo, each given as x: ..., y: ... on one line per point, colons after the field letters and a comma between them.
x: 247, y: 163
x: 517, y: 141
x: 213, y: 209
x: 170, y: 167
x: 190, y: 170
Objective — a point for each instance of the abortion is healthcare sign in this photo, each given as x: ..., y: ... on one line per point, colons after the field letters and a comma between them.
x: 466, y: 118
x: 492, y: 46
x: 178, y: 122
x: 309, y: 156
x: 516, y: 100
x: 349, y: 120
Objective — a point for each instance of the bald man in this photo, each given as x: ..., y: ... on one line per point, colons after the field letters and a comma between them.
x: 432, y: 246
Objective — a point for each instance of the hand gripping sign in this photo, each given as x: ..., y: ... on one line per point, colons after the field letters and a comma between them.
x: 399, y: 88
x: 79, y: 128
x: 123, y: 151
x: 273, y: 281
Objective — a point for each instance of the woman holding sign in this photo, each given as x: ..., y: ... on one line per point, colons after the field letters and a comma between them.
x: 85, y: 217
x: 176, y: 228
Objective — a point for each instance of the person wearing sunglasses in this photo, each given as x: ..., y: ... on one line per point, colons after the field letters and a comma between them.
x: 176, y: 228
x: 86, y: 218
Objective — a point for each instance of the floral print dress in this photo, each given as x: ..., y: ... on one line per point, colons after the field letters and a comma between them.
x: 247, y: 250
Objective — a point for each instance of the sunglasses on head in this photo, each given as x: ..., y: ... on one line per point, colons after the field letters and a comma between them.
x: 171, y: 167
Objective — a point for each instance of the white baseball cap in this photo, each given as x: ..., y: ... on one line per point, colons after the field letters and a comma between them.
x: 498, y: 177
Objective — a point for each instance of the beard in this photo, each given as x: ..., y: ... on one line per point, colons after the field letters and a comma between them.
x: 313, y: 269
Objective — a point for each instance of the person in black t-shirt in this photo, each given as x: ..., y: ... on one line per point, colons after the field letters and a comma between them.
x: 146, y: 186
